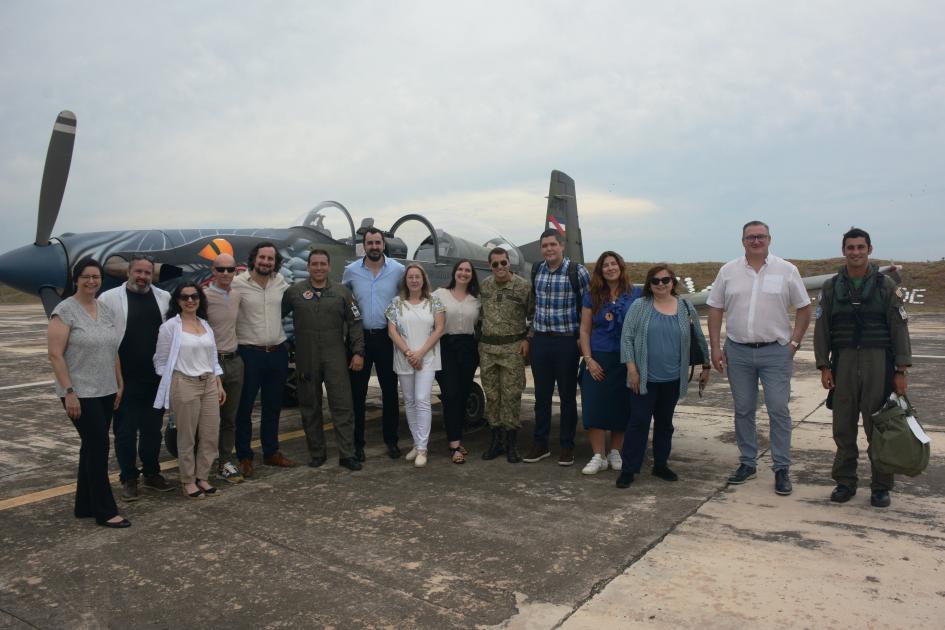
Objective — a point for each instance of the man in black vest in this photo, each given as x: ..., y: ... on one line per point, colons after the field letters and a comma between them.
x: 862, y: 348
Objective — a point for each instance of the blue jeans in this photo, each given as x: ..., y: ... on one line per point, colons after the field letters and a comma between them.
x: 137, y: 428
x: 265, y: 372
x: 555, y: 361
x: 659, y: 403
x: 772, y: 365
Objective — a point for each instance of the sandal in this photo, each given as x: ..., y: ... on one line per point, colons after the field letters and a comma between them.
x: 457, y: 455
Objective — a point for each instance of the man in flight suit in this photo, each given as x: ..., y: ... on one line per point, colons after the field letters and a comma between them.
x: 862, y: 348
x: 327, y: 332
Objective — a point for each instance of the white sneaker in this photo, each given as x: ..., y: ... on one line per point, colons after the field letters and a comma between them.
x: 597, y: 464
x: 614, y: 459
x: 412, y: 455
x: 421, y: 459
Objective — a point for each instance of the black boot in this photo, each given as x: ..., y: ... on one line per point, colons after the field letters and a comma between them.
x: 495, y: 447
x: 511, y: 447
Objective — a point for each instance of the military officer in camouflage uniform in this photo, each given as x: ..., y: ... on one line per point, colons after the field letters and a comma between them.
x: 507, y: 305
x: 329, y: 340
x: 862, y: 348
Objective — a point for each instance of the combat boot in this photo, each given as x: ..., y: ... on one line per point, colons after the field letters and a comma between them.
x: 495, y: 447
x: 511, y: 447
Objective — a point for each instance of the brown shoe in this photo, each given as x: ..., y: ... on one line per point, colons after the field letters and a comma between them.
x: 280, y: 460
x: 246, y: 467
x: 566, y: 458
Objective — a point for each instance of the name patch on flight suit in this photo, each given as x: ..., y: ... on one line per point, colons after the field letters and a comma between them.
x: 308, y: 295
x: 355, y: 311
x: 902, y: 308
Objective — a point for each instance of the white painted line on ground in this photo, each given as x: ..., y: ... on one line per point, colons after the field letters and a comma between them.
x: 25, y: 385
x: 927, y: 356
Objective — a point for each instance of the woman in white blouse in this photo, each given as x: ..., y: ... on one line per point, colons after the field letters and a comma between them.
x: 460, y: 351
x: 415, y: 324
x: 186, y: 359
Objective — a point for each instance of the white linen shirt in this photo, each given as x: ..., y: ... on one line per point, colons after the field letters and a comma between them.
x: 756, y: 304
x: 117, y: 300
x: 165, y: 357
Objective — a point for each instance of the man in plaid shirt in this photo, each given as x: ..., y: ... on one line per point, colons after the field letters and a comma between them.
x: 554, y: 347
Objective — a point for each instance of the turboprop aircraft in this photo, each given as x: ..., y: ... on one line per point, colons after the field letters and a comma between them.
x: 44, y: 267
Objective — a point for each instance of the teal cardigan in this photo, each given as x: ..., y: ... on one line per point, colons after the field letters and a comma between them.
x: 634, y: 337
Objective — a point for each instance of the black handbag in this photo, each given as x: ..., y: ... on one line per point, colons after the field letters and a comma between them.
x: 696, y: 357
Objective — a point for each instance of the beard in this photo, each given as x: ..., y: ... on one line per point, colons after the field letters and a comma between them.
x: 374, y: 254
x: 135, y: 288
x: 263, y: 271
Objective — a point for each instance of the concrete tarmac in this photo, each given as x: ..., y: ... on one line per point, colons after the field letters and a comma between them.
x: 486, y: 544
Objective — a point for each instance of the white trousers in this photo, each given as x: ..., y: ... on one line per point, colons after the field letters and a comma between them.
x: 417, y: 388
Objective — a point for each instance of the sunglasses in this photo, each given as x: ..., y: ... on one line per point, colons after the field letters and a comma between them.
x: 658, y: 281
x: 225, y: 269
x: 496, y: 263
x: 189, y: 297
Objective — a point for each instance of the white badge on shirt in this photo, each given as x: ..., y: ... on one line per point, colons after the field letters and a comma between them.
x: 772, y: 284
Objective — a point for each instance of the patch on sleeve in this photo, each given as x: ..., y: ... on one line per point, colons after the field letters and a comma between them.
x: 903, y: 314
x: 355, y: 311
x: 820, y: 308
x: 899, y: 293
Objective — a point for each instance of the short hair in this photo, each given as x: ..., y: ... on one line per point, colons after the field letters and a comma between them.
x: 855, y: 232
x: 473, y: 288
x: 551, y: 232
x: 255, y: 251
x: 424, y: 290
x: 372, y: 230
x: 754, y: 223
x: 174, y: 307
x: 82, y: 265
x: 655, y: 269
x: 139, y: 256
x: 321, y: 252
x: 497, y: 251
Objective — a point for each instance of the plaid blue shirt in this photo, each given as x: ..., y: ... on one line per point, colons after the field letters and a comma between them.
x: 555, y: 302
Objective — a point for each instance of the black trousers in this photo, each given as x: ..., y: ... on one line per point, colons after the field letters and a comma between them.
x: 138, y: 430
x: 554, y: 361
x: 379, y: 353
x: 460, y: 359
x: 93, y: 493
x: 658, y: 403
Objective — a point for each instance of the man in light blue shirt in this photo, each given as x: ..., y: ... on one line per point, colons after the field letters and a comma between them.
x: 375, y: 280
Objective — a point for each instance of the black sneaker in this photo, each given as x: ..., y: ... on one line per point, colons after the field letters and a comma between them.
x: 879, y: 498
x: 625, y: 479
x: 393, y: 451
x: 157, y: 482
x: 315, y: 462
x: 782, y: 482
x: 351, y: 463
x: 842, y: 493
x: 129, y: 490
x: 537, y: 453
x: 359, y: 453
x: 663, y: 472
x: 742, y: 474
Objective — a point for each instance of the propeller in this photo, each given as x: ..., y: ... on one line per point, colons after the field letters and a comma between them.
x: 55, y: 174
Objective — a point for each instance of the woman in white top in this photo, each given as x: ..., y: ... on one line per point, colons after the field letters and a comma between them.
x: 460, y: 351
x: 186, y: 359
x: 415, y: 324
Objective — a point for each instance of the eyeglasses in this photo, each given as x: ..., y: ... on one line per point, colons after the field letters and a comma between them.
x: 751, y: 238
x: 189, y: 297
x: 225, y: 269
x: 496, y: 263
x: 87, y: 278
x: 658, y: 281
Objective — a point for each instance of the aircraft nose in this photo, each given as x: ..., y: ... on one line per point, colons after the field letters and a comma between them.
x: 31, y: 267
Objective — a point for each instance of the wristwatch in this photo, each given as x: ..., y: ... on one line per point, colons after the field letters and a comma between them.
x: 70, y: 390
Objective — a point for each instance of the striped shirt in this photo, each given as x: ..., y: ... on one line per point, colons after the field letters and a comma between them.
x: 555, y: 302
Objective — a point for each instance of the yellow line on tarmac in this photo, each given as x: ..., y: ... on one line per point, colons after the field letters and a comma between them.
x: 58, y: 491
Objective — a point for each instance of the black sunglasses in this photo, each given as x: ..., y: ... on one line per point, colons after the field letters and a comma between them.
x: 189, y: 297
x: 496, y: 263
x: 658, y: 281
x: 225, y: 269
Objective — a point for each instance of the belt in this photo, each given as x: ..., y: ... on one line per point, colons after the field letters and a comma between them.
x: 275, y: 348
x: 498, y: 340
x: 756, y: 345
x: 226, y: 356
x: 202, y: 377
x: 554, y: 334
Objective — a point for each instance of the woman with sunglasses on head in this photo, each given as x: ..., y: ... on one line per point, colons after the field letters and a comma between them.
x: 415, y: 323
x: 460, y: 351
x: 604, y: 395
x: 83, y: 350
x: 655, y: 347
x: 186, y: 360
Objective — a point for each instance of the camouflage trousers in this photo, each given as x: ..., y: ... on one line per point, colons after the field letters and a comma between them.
x: 503, y: 379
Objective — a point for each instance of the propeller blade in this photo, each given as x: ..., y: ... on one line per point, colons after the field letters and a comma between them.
x: 50, y: 299
x: 55, y: 174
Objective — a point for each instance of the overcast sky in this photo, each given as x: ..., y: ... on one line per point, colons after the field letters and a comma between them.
x: 679, y: 121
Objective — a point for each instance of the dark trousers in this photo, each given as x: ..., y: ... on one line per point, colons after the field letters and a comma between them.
x: 460, y: 359
x: 264, y: 373
x: 555, y: 362
x: 379, y: 353
x: 137, y: 430
x: 658, y: 403
x: 93, y: 494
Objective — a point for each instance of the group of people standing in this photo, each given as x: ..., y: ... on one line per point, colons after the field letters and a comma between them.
x: 206, y: 353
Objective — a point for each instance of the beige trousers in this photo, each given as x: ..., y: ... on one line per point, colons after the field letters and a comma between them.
x: 196, y: 407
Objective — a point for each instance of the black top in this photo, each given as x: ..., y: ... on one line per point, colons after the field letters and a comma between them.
x: 141, y: 332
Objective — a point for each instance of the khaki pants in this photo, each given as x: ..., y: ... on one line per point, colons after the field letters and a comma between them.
x: 196, y: 407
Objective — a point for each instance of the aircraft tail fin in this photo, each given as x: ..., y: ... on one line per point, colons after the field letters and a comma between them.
x: 562, y: 215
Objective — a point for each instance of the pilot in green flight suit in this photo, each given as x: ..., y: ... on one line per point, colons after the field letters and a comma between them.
x: 329, y: 340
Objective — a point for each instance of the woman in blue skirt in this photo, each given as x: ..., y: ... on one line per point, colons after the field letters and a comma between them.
x: 605, y: 398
